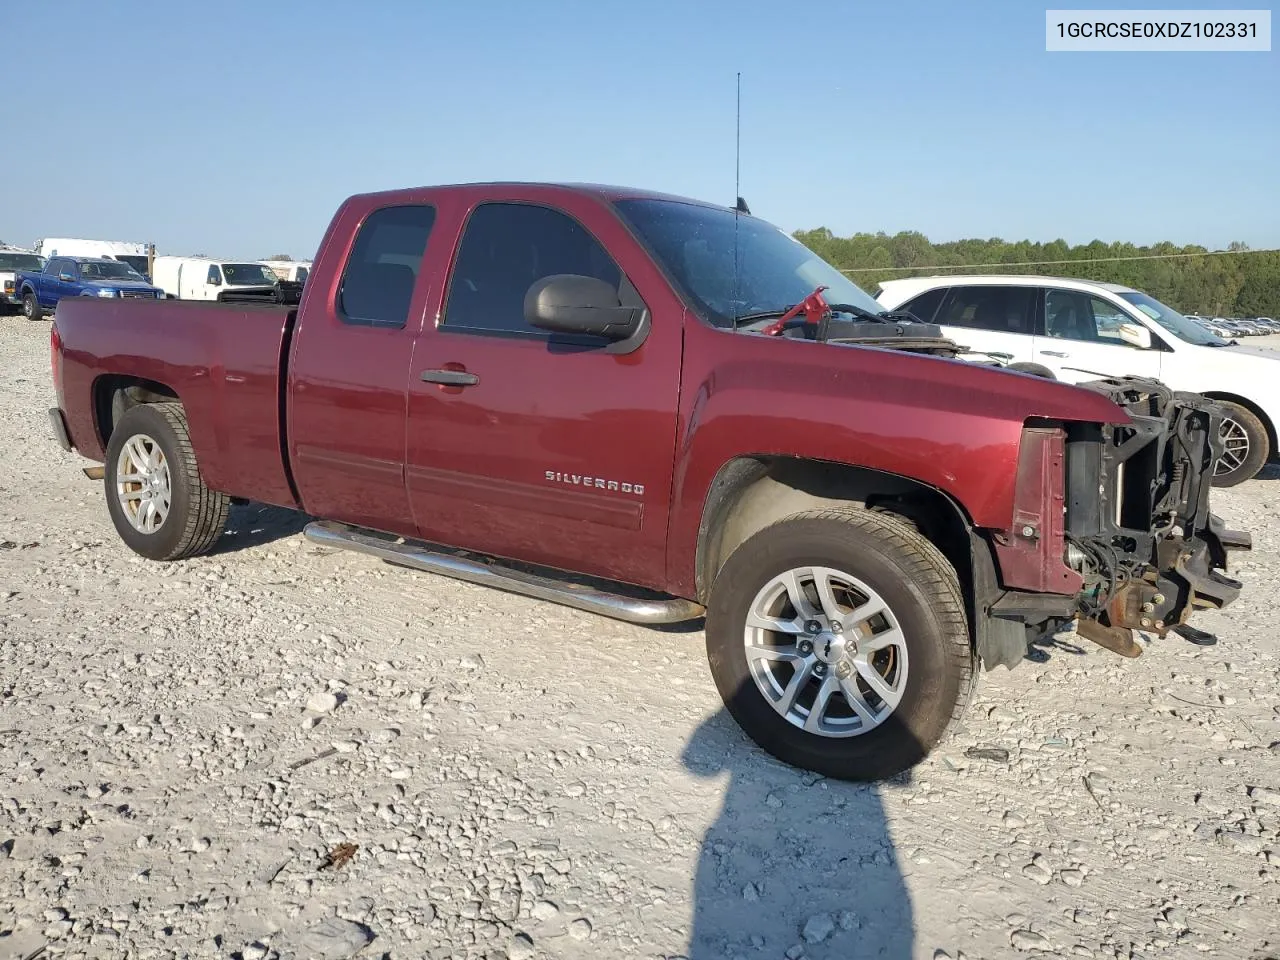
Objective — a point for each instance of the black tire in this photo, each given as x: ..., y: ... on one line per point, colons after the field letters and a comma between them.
x: 921, y: 589
x: 31, y: 306
x: 1034, y: 369
x: 1259, y: 447
x: 196, y: 514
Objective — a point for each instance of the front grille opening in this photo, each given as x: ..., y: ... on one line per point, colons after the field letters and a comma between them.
x: 1137, y: 480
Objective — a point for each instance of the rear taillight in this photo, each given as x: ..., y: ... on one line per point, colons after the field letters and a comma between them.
x: 55, y: 347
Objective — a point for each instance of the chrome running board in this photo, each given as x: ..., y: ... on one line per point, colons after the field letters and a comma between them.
x: 582, y: 597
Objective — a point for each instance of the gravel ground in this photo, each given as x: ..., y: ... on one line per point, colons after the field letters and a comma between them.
x: 190, y: 751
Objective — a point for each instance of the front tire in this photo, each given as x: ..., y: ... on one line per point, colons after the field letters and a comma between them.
x: 158, y: 501
x: 1247, y: 446
x: 31, y: 306
x: 838, y: 640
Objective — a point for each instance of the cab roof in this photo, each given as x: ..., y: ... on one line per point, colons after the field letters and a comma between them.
x: 602, y: 191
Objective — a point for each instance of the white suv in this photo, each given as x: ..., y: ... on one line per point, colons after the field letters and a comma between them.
x: 1077, y: 330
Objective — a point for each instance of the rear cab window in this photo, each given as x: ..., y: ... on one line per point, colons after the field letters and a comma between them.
x: 378, y: 280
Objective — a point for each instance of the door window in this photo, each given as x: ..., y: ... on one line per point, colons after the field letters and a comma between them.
x: 1074, y: 315
x: 508, y: 247
x: 378, y: 280
x: 215, y: 275
x: 924, y: 306
x: 998, y: 309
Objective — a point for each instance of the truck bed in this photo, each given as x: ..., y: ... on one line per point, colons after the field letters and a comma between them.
x: 224, y: 361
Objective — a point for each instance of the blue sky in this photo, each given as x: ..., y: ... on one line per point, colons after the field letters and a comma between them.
x: 235, y: 128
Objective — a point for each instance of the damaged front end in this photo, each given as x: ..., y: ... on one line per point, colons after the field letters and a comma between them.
x: 1137, y: 528
x: 1111, y: 528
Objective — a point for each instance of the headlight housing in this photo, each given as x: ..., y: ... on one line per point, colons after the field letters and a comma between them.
x: 106, y: 293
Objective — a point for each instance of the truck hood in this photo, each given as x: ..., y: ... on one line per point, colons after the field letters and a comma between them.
x: 966, y: 387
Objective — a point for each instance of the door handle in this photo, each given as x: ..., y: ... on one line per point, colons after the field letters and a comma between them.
x: 450, y: 378
x: 1054, y: 353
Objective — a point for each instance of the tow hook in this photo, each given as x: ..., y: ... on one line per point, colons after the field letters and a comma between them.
x: 1199, y: 637
x: 1116, y: 639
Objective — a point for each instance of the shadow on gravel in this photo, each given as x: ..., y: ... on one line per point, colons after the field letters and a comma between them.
x: 255, y: 524
x: 1269, y: 472
x: 794, y: 860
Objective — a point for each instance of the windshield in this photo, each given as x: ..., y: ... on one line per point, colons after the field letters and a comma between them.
x: 108, y: 270
x: 771, y: 270
x: 21, y: 261
x: 244, y: 273
x: 1171, y: 320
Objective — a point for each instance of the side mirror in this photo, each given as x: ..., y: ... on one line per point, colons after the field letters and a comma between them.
x: 66, y: 276
x: 215, y: 281
x: 568, y: 303
x: 1135, y: 335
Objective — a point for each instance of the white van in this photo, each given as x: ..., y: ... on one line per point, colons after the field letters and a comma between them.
x: 1078, y: 330
x: 204, y: 278
x: 134, y: 254
x: 295, y: 270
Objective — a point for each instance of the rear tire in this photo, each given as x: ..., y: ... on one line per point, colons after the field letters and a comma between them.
x: 158, y: 501
x: 1034, y: 369
x: 31, y: 306
x: 869, y: 725
x: 1247, y: 446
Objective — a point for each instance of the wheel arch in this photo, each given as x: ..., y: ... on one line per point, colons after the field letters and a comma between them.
x: 1257, y: 411
x: 751, y: 492
x: 114, y: 394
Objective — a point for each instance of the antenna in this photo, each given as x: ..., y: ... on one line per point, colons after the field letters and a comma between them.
x: 740, y: 207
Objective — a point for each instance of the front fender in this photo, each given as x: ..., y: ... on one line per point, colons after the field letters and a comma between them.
x: 952, y: 425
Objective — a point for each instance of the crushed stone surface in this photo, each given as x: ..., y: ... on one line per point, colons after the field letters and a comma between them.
x: 283, y: 751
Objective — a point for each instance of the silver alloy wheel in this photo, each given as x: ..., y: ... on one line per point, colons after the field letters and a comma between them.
x: 143, y: 484
x: 826, y: 651
x: 1235, y: 442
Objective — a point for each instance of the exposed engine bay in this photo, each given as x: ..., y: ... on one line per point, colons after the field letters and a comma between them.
x: 1138, y: 526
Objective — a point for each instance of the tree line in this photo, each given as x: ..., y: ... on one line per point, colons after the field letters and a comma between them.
x: 1238, y: 283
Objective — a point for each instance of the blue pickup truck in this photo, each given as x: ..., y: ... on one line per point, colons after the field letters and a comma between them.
x: 79, y: 277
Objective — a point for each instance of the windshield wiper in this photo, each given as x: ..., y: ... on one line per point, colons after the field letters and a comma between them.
x: 795, y: 308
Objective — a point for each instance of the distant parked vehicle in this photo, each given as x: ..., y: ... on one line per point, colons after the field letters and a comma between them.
x: 79, y: 277
x: 1048, y: 326
x: 134, y: 254
x: 295, y: 270
x: 226, y: 281
x: 12, y: 260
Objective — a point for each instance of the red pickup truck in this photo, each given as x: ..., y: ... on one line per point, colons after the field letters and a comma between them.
x: 658, y: 409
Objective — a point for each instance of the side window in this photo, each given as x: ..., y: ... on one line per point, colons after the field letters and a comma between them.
x: 1073, y: 315
x: 999, y: 309
x: 505, y: 249
x: 377, y: 282
x: 925, y: 305
x: 56, y: 267
x: 215, y: 275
